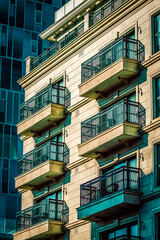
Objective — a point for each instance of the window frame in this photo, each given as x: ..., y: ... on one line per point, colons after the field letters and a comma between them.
x: 154, y: 92
x: 153, y: 32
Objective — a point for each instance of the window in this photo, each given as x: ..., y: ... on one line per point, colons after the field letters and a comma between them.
x: 157, y: 165
x: 157, y: 225
x: 2, y: 109
x: 38, y: 17
x: 156, y: 97
x: 34, y: 43
x: 156, y: 33
x: 5, y: 176
x: 55, y: 195
x: 126, y: 232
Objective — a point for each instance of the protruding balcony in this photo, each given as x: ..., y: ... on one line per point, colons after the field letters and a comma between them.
x: 41, y: 165
x: 41, y: 220
x: 57, y: 46
x: 43, y: 110
x: 110, y: 194
x: 111, y: 128
x: 112, y: 66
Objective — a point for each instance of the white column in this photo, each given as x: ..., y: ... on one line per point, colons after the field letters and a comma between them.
x: 28, y: 64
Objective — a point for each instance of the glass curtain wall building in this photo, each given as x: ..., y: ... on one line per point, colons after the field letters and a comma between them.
x: 21, y: 21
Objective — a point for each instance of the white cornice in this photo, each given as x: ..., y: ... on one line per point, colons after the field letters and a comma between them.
x: 79, y: 10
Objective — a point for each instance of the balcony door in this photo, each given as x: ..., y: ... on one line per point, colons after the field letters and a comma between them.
x: 121, y: 111
x: 58, y: 95
x: 118, y: 178
x: 50, y: 207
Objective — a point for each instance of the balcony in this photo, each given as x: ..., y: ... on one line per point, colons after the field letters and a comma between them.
x: 110, y: 194
x: 57, y: 46
x: 105, y: 10
x: 112, y: 66
x: 111, y: 128
x: 43, y: 110
x: 41, y: 165
x: 41, y: 220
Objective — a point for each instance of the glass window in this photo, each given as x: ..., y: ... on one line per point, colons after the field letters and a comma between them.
x: 18, y: 43
x: 5, y: 176
x: 34, y: 46
x: 6, y: 140
x: 157, y: 226
x: 16, y: 74
x: 20, y: 14
x: 157, y: 165
x: 4, y: 11
x: 38, y: 17
x: 156, y: 33
x: 1, y: 137
x: 38, y: 6
x: 2, y: 109
x: 156, y: 97
x: 9, y: 107
x: 55, y: 195
x: 6, y: 73
x: 3, y: 44
x: 126, y: 232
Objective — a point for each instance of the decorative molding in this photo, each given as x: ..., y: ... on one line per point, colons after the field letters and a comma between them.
x: 152, y: 126
x: 75, y: 224
x: 77, y: 163
x: 79, y: 104
x: 151, y: 60
x: 23, y: 138
x: 150, y: 196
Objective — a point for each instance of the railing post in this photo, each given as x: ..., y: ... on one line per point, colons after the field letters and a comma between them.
x: 102, y: 13
x: 90, y: 193
x: 112, y: 5
x: 29, y: 61
x: 86, y: 21
x: 137, y: 43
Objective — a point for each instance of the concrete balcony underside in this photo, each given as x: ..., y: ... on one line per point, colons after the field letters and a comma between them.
x: 39, y: 175
x: 108, y: 206
x: 109, y: 139
x: 41, y: 120
x: 40, y: 231
x: 117, y: 73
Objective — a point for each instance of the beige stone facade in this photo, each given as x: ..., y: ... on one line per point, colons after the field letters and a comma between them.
x: 126, y: 140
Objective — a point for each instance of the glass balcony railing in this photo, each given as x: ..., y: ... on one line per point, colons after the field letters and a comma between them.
x: 57, y: 46
x: 124, y: 111
x: 126, y: 237
x: 105, y: 10
x: 48, y: 209
x: 123, y: 178
x: 56, y: 151
x: 122, y: 47
x: 51, y: 94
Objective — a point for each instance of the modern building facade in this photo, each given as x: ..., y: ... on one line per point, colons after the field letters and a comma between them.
x: 90, y: 125
x: 21, y: 21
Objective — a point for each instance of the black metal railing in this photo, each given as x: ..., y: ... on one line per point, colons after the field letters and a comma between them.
x: 51, y: 94
x: 127, y: 237
x: 123, y: 178
x: 123, y: 111
x: 57, y: 46
x: 55, y: 151
x: 47, y: 209
x: 123, y: 47
x: 105, y: 10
